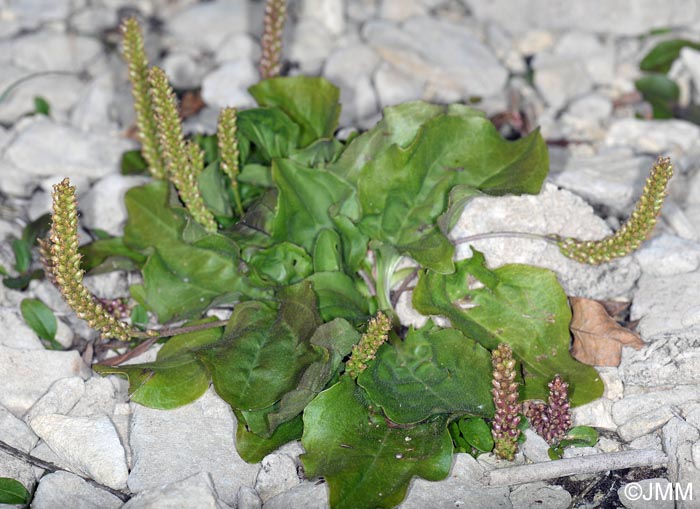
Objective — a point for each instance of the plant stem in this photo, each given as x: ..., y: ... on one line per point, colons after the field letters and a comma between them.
x: 169, y: 332
x: 552, y: 239
x: 51, y: 467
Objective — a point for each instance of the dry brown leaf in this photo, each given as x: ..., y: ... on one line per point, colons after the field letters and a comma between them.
x: 598, y: 338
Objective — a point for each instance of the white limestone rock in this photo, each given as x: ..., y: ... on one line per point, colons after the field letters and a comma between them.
x: 94, y: 108
x: 15, y: 331
x: 622, y: 17
x: 99, y: 398
x: 612, y: 178
x: 17, y: 434
x: 539, y: 494
x: 653, y: 136
x: 308, y: 46
x: 309, y: 495
x: 666, y: 304
x: 632, y: 407
x: 90, y: 446
x: 447, y: 56
x: 647, y: 488
x: 278, y: 473
x: 238, y: 46
x: 103, y: 207
x: 49, y: 50
x: 396, y: 87
x: 461, y: 489
x: 643, y: 424
x: 669, y: 359
x: 248, y: 499
x: 27, y: 374
x: 206, y: 25
x: 64, y: 150
x: 327, y: 13
x: 597, y: 414
x: 560, y: 78
x: 196, y: 491
x: 228, y: 85
x: 185, y: 69
x: 553, y: 211
x: 63, y: 490
x: 61, y: 397
x: 167, y: 447
x: 680, y: 440
x: 668, y: 255
x: 535, y: 448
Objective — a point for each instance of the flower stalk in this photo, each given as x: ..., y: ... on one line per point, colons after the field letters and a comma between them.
x: 184, y: 161
x: 229, y: 152
x: 271, y: 58
x: 62, y: 263
x: 137, y: 62
x: 366, y: 349
x: 504, y: 427
x: 635, y: 230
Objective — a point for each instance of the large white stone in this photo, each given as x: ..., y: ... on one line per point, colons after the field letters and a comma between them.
x: 17, y: 434
x: 54, y: 51
x: 206, y: 25
x: 103, y: 207
x: 309, y: 495
x: 27, y: 374
x: 64, y: 150
x: 669, y: 359
x: 93, y: 109
x: 90, y: 446
x: 622, y: 17
x: 665, y: 304
x: 653, y: 136
x: 461, y: 487
x: 631, y: 407
x: 553, y: 211
x: 647, y: 488
x: 396, y: 87
x: 327, y: 13
x: 668, y: 255
x: 278, y: 473
x: 171, y: 445
x: 228, y: 85
x: 446, y: 55
x: 59, y: 399
x: 196, y: 491
x: 540, y: 494
x: 15, y: 333
x: 560, y: 78
x: 680, y: 439
x: 308, y: 46
x: 64, y: 490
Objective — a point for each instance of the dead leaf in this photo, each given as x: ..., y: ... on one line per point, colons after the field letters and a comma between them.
x: 190, y: 104
x: 598, y: 338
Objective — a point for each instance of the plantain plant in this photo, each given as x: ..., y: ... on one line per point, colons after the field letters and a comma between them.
x: 303, y: 234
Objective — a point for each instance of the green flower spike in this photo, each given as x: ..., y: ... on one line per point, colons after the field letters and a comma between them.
x: 62, y: 263
x: 635, y: 231
x: 504, y: 427
x: 270, y: 61
x: 228, y: 150
x: 366, y: 349
x: 184, y: 161
x: 135, y: 57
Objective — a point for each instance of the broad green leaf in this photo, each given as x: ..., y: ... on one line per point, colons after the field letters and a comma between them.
x: 431, y: 372
x: 23, y: 255
x: 22, y: 281
x: 40, y: 318
x: 328, y: 255
x: 152, y: 222
x: 176, y: 378
x: 404, y: 190
x: 365, y: 462
x: 310, y: 102
x: 36, y: 229
x: 133, y: 163
x: 354, y: 242
x: 338, y: 297
x: 319, y: 153
x: 109, y: 253
x: 661, y: 57
x: 210, y: 145
x: 271, y: 130
x: 476, y: 433
x: 661, y: 92
x: 214, y: 191
x: 333, y: 341
x: 520, y: 305
x: 253, y: 448
x: 261, y: 359
x: 12, y: 492
x: 139, y: 316
x: 303, y: 201
x: 580, y: 436
x: 257, y: 175
x: 280, y: 265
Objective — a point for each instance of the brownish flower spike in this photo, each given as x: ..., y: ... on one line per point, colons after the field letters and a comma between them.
x: 551, y: 421
x: 270, y: 61
x: 504, y: 427
x: 62, y: 263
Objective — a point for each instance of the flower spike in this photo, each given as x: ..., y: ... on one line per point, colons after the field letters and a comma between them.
x: 228, y: 150
x: 366, y: 349
x: 504, y: 427
x: 135, y: 56
x: 270, y: 61
x: 62, y: 263
x: 635, y: 231
x: 184, y: 161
